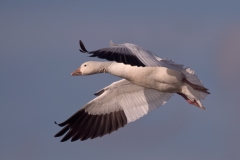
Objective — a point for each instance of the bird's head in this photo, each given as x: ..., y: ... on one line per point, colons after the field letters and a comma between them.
x: 88, y: 68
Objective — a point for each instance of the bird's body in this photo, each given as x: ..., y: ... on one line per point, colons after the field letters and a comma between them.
x: 159, y: 78
x: 148, y: 82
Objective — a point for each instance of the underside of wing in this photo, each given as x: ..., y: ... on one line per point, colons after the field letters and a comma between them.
x: 116, y: 105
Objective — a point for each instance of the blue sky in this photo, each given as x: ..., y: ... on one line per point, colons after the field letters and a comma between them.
x: 39, y: 50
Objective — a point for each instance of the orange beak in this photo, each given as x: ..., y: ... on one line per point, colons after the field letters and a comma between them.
x: 76, y: 73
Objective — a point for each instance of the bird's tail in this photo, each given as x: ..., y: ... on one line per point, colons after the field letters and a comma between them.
x: 193, y: 90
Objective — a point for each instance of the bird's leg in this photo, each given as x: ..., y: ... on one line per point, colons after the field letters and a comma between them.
x: 190, y: 101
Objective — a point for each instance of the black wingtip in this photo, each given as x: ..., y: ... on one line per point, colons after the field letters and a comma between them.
x: 63, y: 140
x: 99, y: 92
x: 60, y: 124
x: 83, y: 49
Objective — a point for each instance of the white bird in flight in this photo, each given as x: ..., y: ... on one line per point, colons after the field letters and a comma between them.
x: 148, y: 82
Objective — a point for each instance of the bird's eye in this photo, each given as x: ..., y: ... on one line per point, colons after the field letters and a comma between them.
x: 85, y: 65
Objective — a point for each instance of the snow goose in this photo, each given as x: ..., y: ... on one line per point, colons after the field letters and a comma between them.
x: 148, y: 82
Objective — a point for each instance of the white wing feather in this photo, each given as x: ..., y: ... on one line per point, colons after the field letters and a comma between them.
x: 134, y: 100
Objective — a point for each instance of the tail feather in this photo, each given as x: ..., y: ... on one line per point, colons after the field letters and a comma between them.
x: 193, y: 90
x: 191, y: 77
x: 191, y: 95
x: 196, y: 87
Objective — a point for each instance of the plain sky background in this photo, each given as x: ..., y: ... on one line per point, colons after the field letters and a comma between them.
x: 39, y: 50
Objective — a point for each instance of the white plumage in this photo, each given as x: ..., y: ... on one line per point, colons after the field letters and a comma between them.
x: 148, y: 83
x: 136, y: 101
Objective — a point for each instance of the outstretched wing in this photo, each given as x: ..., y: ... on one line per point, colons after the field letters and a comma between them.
x: 131, y: 54
x: 116, y: 105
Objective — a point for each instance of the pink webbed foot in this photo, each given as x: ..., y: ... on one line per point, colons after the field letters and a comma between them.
x: 190, y: 101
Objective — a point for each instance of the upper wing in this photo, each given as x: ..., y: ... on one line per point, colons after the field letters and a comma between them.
x: 131, y: 54
x: 116, y: 105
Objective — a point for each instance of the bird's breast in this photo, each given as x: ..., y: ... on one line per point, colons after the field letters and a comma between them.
x: 159, y: 78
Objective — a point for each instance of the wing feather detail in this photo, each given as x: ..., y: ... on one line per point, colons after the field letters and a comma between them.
x: 132, y: 54
x: 115, y: 105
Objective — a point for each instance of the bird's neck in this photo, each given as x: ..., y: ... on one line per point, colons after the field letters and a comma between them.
x: 102, y: 67
x: 120, y: 70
